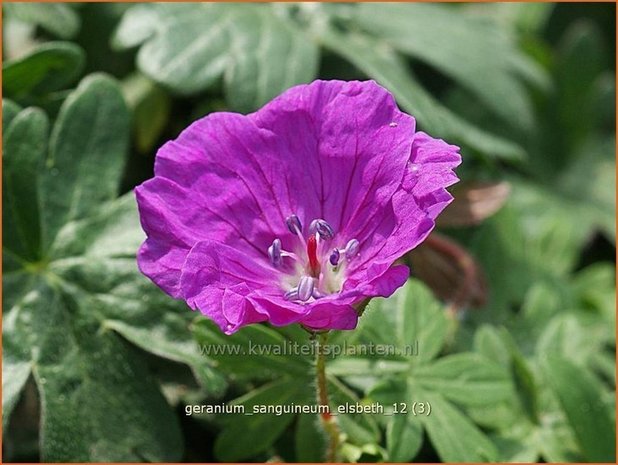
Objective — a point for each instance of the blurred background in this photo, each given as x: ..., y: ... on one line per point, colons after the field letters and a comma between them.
x: 512, y: 298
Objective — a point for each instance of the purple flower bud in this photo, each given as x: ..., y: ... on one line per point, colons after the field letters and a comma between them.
x: 293, y: 224
x: 323, y: 229
x: 274, y: 252
x: 351, y: 249
x: 334, y: 257
x: 305, y: 288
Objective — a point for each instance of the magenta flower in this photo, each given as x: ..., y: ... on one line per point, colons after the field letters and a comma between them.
x: 294, y: 213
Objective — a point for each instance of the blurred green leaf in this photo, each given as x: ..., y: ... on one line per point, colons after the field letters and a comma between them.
x: 595, y: 287
x: 378, y: 61
x: 453, y: 435
x: 49, y: 67
x: 580, y: 61
x: 465, y: 378
x: 245, y: 435
x: 257, y: 53
x: 581, y: 399
x: 251, y: 347
x: 489, y: 343
x: 10, y: 110
x: 461, y: 46
x: 59, y: 19
x: 361, y: 428
x: 310, y: 440
x: 151, y: 108
x: 411, y: 317
x: 404, y: 438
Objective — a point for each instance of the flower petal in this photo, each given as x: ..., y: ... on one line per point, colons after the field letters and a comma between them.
x: 214, y: 269
x: 410, y: 217
x: 344, y: 146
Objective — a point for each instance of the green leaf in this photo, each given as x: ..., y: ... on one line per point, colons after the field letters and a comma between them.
x: 461, y: 46
x: 151, y: 107
x: 412, y: 316
x: 596, y: 290
x: 59, y: 19
x: 594, y: 202
x: 140, y: 22
x: 248, y: 434
x: 453, y: 435
x: 9, y: 111
x: 489, y: 343
x: 98, y: 255
x: 377, y: 60
x: 404, y: 437
x: 309, y: 440
x: 268, y: 57
x: 49, y: 67
x: 86, y: 159
x: 580, y: 60
x: 60, y: 308
x: 254, y: 351
x: 127, y: 418
x: 465, y: 378
x: 257, y: 53
x: 360, y: 427
x: 16, y: 367
x: 25, y: 145
x: 581, y: 398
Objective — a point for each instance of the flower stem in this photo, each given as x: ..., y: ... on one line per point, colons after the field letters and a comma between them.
x: 328, y: 421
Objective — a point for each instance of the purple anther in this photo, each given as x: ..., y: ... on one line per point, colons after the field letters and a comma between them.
x: 351, y: 249
x: 323, y: 229
x: 274, y: 252
x: 292, y: 294
x: 305, y: 288
x: 334, y: 257
x: 317, y: 294
x: 294, y: 224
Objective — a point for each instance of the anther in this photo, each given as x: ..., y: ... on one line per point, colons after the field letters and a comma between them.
x: 334, y: 257
x: 274, y: 252
x: 294, y: 224
x: 305, y: 288
x: 351, y: 249
x: 322, y: 228
x: 292, y: 294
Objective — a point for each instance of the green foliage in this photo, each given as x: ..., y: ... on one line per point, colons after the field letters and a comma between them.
x: 70, y: 278
x: 98, y: 363
x: 188, y: 47
x: 59, y: 19
x: 50, y: 67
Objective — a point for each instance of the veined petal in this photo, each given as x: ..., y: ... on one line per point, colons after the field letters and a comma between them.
x: 237, y: 282
x: 344, y: 146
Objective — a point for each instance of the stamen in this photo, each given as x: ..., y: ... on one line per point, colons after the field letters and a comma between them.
x: 294, y: 224
x: 274, y: 252
x: 334, y: 257
x: 305, y: 288
x: 292, y: 294
x: 322, y: 228
x: 317, y: 294
x: 351, y: 249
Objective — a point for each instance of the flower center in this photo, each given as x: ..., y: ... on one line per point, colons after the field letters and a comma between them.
x: 316, y: 267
